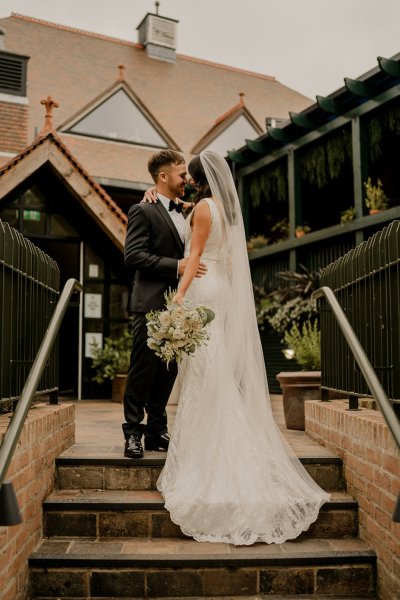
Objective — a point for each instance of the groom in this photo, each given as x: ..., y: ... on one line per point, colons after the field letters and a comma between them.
x: 154, y: 257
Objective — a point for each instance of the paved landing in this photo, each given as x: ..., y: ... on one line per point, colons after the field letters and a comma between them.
x: 99, y: 433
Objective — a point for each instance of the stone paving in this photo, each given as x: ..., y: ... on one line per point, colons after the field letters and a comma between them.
x: 98, y: 430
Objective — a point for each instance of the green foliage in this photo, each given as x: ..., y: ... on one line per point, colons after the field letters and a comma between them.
x: 303, y: 229
x: 306, y: 343
x: 288, y: 304
x: 387, y: 122
x: 271, y: 183
x: 256, y: 241
x: 280, y: 229
x: 324, y: 160
x: 376, y: 198
x: 348, y: 215
x: 113, y: 358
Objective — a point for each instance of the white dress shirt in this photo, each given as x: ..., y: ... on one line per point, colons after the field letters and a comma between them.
x: 177, y: 218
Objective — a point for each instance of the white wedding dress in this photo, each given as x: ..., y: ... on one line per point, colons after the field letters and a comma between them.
x: 229, y: 474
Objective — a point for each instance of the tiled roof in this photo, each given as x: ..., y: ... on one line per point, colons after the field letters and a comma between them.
x: 130, y: 162
x: 223, y: 121
x: 118, y: 229
x: 186, y: 97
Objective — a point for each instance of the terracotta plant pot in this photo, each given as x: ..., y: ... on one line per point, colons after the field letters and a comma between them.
x: 299, y: 234
x: 118, y: 388
x: 374, y: 211
x: 298, y: 386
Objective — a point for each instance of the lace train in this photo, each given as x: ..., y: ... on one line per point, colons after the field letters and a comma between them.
x: 230, y: 476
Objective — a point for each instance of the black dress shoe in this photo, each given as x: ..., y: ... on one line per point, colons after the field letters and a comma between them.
x: 133, y: 447
x: 157, y: 442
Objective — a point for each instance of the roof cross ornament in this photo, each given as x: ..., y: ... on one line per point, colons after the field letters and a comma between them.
x: 50, y: 105
x: 121, y: 76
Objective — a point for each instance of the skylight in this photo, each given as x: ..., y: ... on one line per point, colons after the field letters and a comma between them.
x: 119, y: 119
x: 234, y: 136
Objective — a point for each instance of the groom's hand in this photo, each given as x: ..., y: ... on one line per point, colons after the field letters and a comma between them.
x: 201, y: 269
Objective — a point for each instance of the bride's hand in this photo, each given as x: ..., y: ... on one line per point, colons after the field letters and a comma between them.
x: 178, y: 298
x: 150, y: 196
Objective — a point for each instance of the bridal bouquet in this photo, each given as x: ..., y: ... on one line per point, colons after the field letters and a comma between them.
x: 177, y: 329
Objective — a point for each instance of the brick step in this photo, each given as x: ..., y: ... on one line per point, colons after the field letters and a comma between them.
x: 113, y: 513
x: 114, y: 472
x: 257, y: 597
x: 185, y: 568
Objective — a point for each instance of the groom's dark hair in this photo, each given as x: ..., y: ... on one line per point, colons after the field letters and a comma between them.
x: 162, y: 159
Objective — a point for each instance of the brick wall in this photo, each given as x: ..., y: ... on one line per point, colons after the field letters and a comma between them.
x: 47, y: 432
x: 371, y: 463
x: 13, y: 127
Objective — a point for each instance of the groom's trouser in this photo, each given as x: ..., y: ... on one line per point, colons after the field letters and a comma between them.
x: 148, y: 385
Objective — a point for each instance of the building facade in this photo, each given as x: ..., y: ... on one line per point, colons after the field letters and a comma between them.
x: 108, y: 104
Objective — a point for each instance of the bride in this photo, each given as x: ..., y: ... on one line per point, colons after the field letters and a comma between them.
x: 229, y: 476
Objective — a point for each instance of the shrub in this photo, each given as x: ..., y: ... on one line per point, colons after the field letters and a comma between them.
x: 376, y: 198
x: 306, y: 344
x: 113, y: 358
x: 288, y: 304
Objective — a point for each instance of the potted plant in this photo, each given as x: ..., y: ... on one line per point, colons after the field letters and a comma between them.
x: 112, y: 362
x: 348, y: 215
x: 376, y: 199
x: 303, y: 385
x: 280, y: 230
x: 302, y: 230
x: 255, y: 242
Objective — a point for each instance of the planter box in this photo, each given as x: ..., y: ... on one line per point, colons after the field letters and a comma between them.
x: 118, y: 388
x: 296, y: 388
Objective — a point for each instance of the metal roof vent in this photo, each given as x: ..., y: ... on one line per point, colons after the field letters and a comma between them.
x: 12, y: 70
x: 158, y: 35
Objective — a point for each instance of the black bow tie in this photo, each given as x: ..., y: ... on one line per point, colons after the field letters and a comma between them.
x: 174, y: 206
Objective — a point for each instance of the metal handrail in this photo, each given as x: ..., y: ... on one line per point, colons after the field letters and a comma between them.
x: 366, y: 368
x: 14, y: 429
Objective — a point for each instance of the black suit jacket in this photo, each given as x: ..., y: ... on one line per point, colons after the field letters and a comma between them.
x: 152, y: 250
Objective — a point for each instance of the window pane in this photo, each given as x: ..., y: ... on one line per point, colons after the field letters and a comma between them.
x: 116, y: 329
x: 118, y: 301
x: 94, y: 266
x: 33, y: 222
x: 234, y: 136
x: 10, y: 215
x: 33, y: 198
x: 120, y: 119
x: 60, y: 226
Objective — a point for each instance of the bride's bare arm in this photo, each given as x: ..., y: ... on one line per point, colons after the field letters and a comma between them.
x: 201, y: 231
x: 150, y: 196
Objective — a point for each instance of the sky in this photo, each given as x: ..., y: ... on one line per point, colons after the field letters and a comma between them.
x: 308, y: 45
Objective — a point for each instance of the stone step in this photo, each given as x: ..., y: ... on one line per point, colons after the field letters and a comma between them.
x: 112, y: 513
x: 114, y: 472
x: 257, y: 597
x: 150, y: 568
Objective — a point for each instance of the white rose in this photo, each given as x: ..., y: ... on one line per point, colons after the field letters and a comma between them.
x: 158, y: 335
x: 178, y: 334
x: 165, y: 319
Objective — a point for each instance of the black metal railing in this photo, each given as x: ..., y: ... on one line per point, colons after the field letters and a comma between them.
x: 366, y: 283
x: 357, y: 351
x: 29, y: 290
x: 28, y: 392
